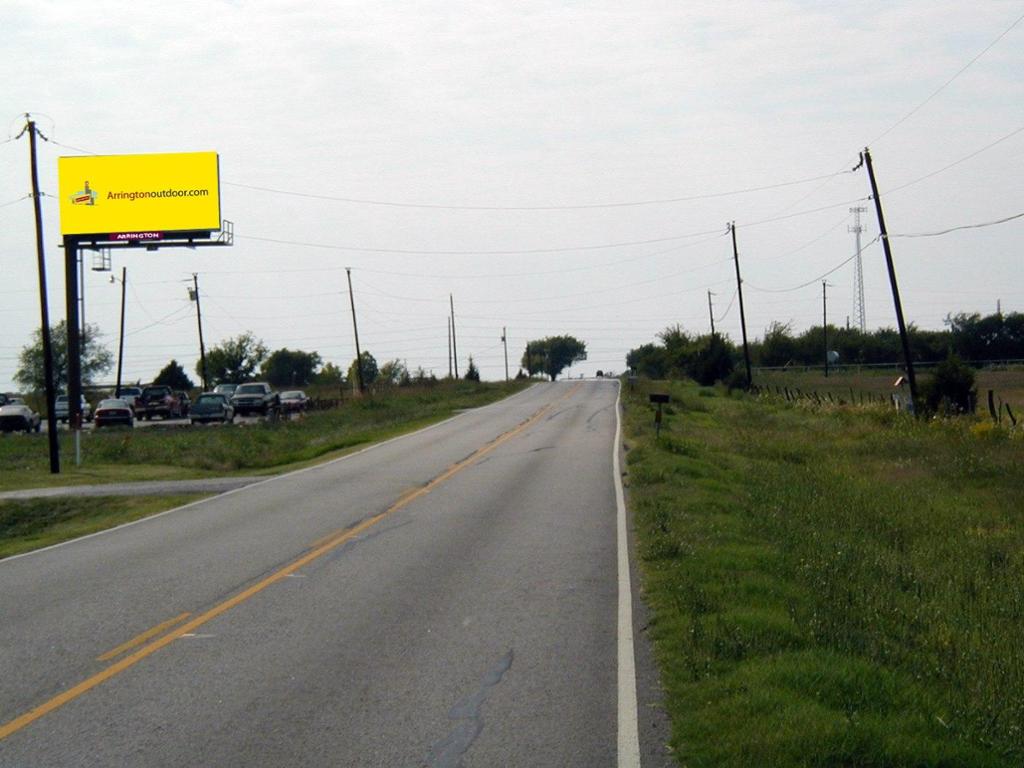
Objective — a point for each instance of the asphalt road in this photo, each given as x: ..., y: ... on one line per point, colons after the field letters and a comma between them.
x: 450, y: 598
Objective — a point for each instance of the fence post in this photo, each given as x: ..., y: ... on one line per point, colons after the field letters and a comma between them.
x: 992, y: 406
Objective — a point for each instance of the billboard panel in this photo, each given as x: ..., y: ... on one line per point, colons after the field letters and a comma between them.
x: 105, y: 194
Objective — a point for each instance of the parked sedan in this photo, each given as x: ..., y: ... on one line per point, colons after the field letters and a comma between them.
x: 211, y: 406
x: 16, y: 416
x: 114, y: 413
x: 294, y: 401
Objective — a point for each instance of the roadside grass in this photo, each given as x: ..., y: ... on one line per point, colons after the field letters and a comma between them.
x: 830, y: 587
x: 179, y: 452
x: 27, y: 524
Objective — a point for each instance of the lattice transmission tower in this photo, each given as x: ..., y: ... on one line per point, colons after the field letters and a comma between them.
x: 859, y: 317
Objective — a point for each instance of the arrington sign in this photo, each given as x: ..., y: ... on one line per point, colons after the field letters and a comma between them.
x: 105, y: 194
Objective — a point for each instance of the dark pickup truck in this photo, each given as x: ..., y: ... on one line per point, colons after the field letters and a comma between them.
x: 156, y: 400
x: 255, y: 397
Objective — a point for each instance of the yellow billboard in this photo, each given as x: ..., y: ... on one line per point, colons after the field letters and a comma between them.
x: 125, y: 194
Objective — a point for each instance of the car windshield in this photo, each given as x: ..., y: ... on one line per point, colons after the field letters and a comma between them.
x: 62, y: 398
x: 210, y: 400
x: 250, y: 389
x: 291, y: 395
x: 113, y: 403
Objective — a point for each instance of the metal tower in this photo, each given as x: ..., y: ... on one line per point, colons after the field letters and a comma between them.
x: 859, y: 317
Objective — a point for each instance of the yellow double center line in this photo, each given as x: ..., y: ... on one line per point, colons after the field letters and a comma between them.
x: 316, y: 552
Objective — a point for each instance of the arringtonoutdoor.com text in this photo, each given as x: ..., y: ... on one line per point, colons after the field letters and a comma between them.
x: 158, y: 193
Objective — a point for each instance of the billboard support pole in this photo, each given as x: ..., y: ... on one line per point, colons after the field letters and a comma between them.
x: 74, y: 341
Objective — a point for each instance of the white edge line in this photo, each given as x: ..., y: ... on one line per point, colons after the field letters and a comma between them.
x: 266, y: 480
x: 629, y: 736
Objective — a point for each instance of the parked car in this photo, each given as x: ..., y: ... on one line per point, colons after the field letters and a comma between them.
x: 212, y: 406
x: 130, y: 395
x: 114, y: 412
x: 60, y: 408
x: 294, y: 401
x: 225, y: 389
x: 255, y: 397
x: 16, y: 416
x: 180, y: 406
x: 157, y: 400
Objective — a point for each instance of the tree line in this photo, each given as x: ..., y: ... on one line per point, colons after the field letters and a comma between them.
x: 971, y: 337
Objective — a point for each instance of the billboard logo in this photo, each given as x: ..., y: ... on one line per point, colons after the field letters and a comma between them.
x: 85, y: 196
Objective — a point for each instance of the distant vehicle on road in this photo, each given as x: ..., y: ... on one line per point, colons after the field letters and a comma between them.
x: 130, y: 395
x: 255, y: 397
x: 294, y: 401
x: 114, y: 412
x: 60, y: 408
x: 156, y: 400
x: 212, y: 406
x: 181, y: 405
x: 16, y: 416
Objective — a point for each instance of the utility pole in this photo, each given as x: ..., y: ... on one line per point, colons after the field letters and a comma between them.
x: 504, y: 340
x: 81, y: 295
x: 120, y: 343
x: 448, y: 323
x: 824, y: 322
x: 199, y: 320
x: 355, y: 329
x: 44, y: 310
x: 74, y: 340
x: 711, y: 313
x: 455, y: 353
x: 858, y: 272
x: 884, y: 237
x: 743, y: 317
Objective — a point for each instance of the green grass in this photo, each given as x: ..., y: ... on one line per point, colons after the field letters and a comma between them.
x: 33, y: 523
x: 830, y: 586
x: 173, y: 452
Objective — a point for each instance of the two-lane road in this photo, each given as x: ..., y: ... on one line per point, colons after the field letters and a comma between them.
x: 449, y: 598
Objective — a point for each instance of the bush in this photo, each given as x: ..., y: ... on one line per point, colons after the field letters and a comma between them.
x: 951, y: 389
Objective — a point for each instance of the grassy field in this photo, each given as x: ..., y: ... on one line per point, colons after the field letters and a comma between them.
x: 831, y: 586
x: 1008, y: 384
x: 178, y: 452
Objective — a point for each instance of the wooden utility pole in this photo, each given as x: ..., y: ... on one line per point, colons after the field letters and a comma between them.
x: 199, y: 319
x: 883, y: 235
x: 44, y: 310
x: 504, y: 340
x: 743, y: 317
x: 449, y: 324
x: 711, y: 313
x: 120, y: 343
x: 455, y: 347
x: 355, y: 329
x: 824, y: 322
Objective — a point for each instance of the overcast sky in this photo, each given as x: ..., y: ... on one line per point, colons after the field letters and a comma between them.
x: 414, y: 115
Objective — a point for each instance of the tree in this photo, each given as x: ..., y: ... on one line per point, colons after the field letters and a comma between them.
x: 329, y: 375
x: 370, y: 370
x: 290, y: 368
x: 233, y: 360
x: 393, y: 373
x: 174, y: 376
x: 96, y: 359
x: 472, y: 372
x: 553, y: 354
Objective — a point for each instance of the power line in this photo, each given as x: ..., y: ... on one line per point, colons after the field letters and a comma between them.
x: 577, y: 207
x: 819, y: 278
x: 942, y: 87
x: 963, y: 226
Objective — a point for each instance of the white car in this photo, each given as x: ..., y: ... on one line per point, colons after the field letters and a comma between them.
x: 15, y: 416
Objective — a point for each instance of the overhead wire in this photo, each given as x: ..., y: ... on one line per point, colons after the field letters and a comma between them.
x: 981, y: 225
x: 942, y: 87
x: 574, y: 207
x: 838, y: 266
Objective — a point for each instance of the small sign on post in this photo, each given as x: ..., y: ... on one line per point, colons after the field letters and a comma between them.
x: 660, y: 399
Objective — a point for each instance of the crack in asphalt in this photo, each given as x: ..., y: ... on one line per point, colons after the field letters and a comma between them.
x: 448, y: 752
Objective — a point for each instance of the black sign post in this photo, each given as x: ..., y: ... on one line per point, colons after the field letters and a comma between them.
x: 660, y: 399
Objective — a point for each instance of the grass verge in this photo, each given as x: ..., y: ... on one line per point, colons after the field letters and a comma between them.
x: 837, y: 587
x: 27, y: 524
x: 167, y: 453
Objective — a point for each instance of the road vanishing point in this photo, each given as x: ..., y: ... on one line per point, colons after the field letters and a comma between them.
x: 459, y: 596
